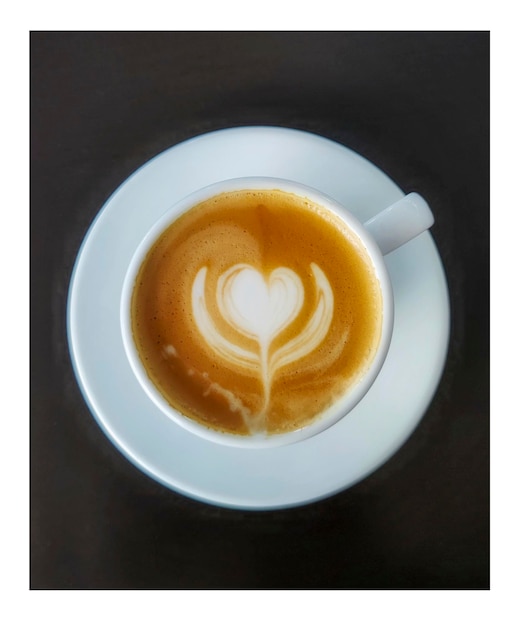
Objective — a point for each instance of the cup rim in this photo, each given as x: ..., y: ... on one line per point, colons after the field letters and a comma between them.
x: 342, y: 406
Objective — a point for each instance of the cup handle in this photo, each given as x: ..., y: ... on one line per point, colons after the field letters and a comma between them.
x: 400, y: 222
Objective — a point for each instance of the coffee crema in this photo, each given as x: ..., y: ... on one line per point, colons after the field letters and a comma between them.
x: 255, y: 311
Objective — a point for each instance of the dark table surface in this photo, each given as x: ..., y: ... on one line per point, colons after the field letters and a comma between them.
x: 414, y: 103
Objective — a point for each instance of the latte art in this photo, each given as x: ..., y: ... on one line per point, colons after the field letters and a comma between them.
x: 260, y: 309
x: 255, y: 311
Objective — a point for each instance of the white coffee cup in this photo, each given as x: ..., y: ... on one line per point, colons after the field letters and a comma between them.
x: 394, y: 226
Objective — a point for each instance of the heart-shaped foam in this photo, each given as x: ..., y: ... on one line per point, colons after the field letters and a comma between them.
x: 258, y: 306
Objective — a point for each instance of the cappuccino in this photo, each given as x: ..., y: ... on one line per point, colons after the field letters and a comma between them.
x: 255, y: 311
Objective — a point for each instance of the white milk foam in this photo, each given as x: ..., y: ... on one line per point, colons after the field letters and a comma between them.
x: 259, y: 308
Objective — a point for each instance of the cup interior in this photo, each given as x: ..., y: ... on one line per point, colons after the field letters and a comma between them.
x: 342, y: 406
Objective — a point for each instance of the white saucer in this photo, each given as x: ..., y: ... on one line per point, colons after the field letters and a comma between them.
x: 270, y: 478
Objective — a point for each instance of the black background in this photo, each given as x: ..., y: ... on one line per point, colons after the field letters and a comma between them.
x: 414, y: 103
